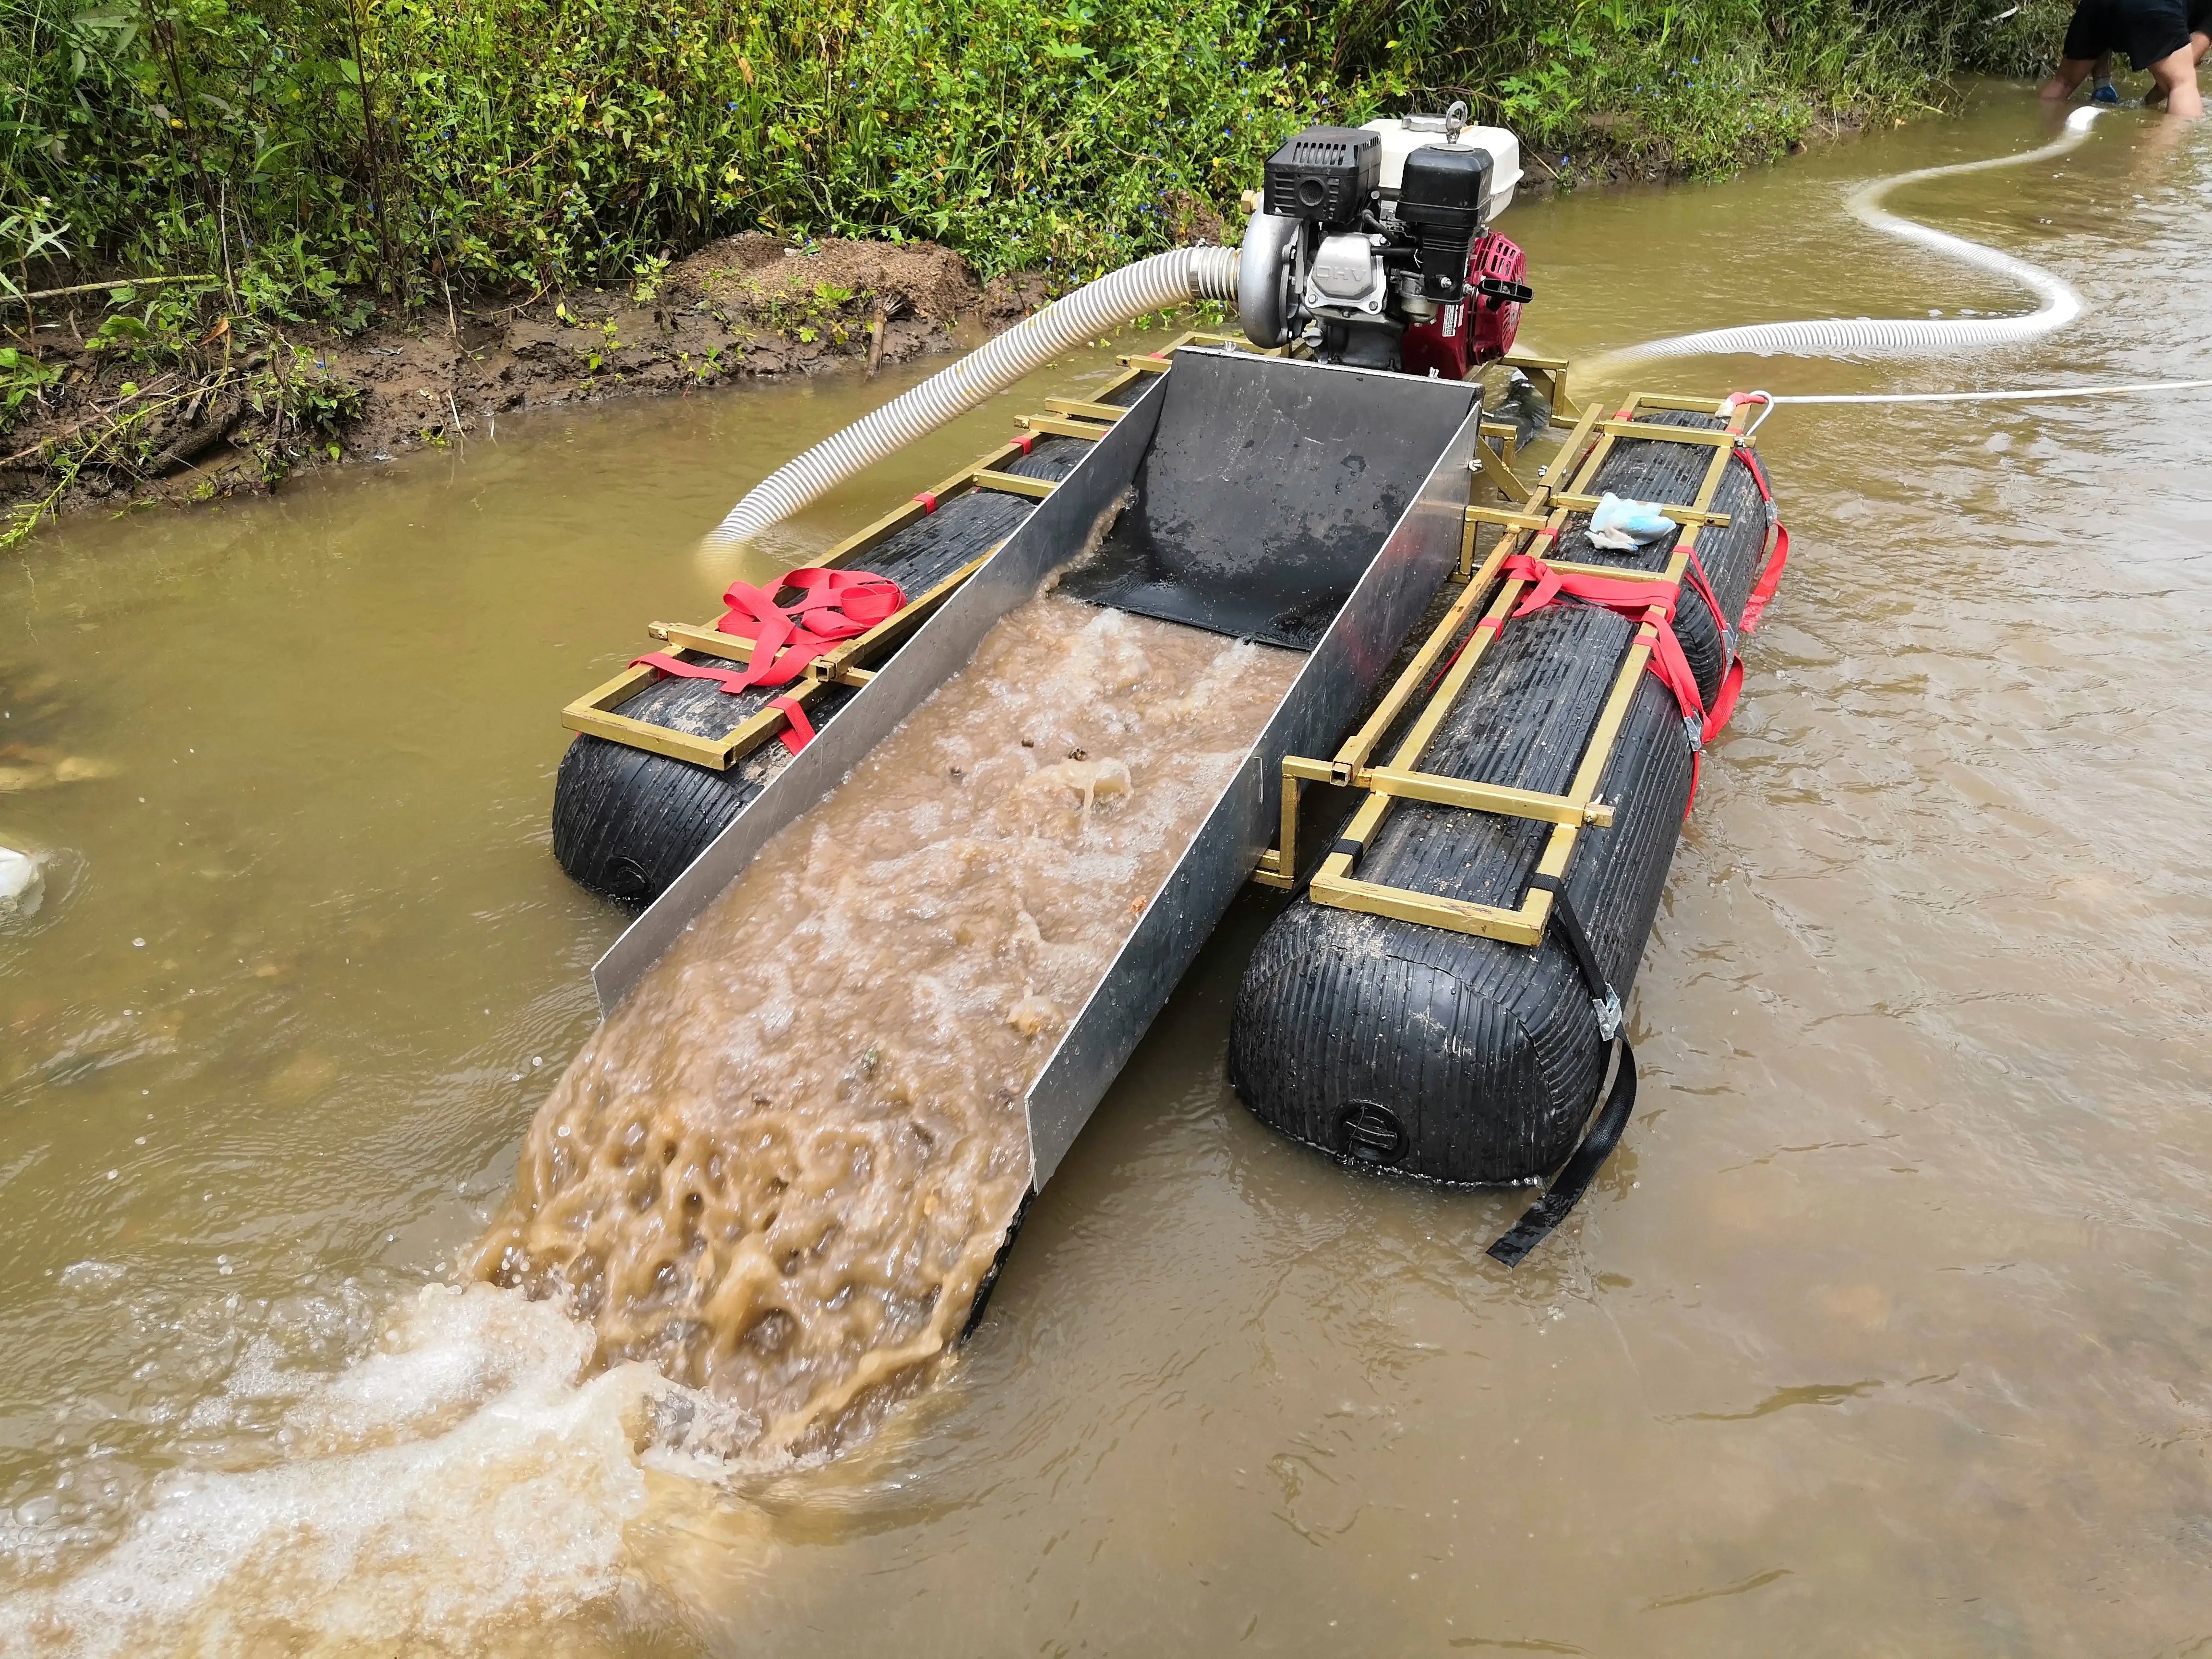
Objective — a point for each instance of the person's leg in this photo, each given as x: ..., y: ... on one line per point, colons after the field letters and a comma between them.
x: 2088, y: 39
x: 2072, y: 72
x: 2176, y: 74
x: 2200, y: 43
x: 2100, y: 81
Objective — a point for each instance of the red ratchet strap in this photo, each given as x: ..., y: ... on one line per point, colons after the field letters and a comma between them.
x: 1615, y: 592
x: 835, y: 604
x: 1635, y: 601
x: 732, y: 679
x: 1771, y: 578
x: 1702, y: 586
x: 1732, y: 676
x: 1546, y: 583
x: 798, y: 731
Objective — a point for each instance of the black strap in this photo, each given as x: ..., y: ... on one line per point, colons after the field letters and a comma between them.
x: 1604, y: 1130
x: 1576, y: 1175
x: 1578, y: 944
x: 1350, y: 849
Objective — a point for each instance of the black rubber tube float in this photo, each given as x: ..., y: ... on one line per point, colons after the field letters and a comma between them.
x: 1413, y: 1049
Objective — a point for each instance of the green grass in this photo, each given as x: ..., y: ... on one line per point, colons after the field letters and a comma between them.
x: 315, y: 151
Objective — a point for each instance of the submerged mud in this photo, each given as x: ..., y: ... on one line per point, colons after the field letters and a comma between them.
x: 780, y: 1171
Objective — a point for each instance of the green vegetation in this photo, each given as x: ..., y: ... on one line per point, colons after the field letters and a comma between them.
x: 324, y: 157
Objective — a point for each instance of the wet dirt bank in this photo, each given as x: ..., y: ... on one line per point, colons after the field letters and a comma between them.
x: 190, y: 405
x: 194, y: 405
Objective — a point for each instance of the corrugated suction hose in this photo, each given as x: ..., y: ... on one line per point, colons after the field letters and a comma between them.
x: 1905, y: 336
x: 1159, y: 283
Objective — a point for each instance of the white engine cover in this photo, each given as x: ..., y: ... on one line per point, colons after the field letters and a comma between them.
x: 1400, y: 141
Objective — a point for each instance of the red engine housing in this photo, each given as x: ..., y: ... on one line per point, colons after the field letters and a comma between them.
x: 1462, y: 337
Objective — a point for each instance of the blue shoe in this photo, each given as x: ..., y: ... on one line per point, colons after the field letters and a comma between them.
x: 2104, y: 94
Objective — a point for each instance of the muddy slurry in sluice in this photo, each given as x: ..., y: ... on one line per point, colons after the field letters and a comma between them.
x: 780, y: 1171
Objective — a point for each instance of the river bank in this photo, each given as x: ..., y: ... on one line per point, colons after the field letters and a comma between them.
x: 177, y: 412
x: 314, y: 194
x: 143, y: 396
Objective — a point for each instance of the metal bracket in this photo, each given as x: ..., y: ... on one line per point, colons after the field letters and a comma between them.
x: 1011, y: 483
x: 1497, y: 464
x: 1550, y: 375
x: 1609, y: 1017
x: 1079, y: 408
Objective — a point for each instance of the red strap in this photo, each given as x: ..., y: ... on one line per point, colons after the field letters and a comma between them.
x: 1625, y: 594
x: 798, y: 731
x: 1025, y: 442
x: 1636, y: 600
x: 928, y: 502
x: 732, y: 679
x: 1749, y: 457
x: 847, y: 602
x: 837, y: 604
x: 1776, y: 558
x: 1702, y: 584
x: 1769, y: 579
x: 833, y: 606
x: 1673, y: 668
x: 1724, y: 704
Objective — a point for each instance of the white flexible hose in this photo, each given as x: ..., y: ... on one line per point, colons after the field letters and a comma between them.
x: 1159, y: 283
x: 2021, y: 395
x: 1903, y: 337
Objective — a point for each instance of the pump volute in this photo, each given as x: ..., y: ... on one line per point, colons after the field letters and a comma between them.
x: 1265, y: 271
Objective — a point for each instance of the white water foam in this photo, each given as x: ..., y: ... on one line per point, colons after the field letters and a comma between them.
x: 463, y: 1489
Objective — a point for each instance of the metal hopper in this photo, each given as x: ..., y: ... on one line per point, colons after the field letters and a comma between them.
x: 1312, y: 507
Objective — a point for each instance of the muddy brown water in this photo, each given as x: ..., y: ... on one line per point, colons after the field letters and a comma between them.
x: 1886, y: 1331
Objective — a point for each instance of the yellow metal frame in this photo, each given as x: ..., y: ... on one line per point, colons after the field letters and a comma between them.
x: 1066, y: 417
x: 1545, y: 511
x: 1550, y: 375
x: 593, y: 712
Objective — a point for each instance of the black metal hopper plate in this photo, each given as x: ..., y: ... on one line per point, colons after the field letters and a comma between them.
x: 1267, y: 491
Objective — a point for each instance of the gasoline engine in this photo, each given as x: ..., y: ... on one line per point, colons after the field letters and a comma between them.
x: 1372, y: 246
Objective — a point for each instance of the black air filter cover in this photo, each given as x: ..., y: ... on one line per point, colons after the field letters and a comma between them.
x: 1443, y: 195
x: 1325, y: 174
